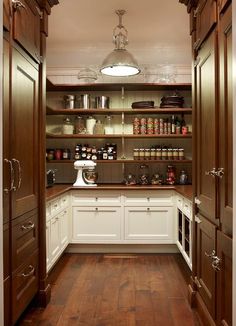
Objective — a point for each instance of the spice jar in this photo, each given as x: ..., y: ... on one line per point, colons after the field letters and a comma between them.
x: 147, y: 154
x: 170, y: 154
x: 153, y: 154
x: 58, y: 154
x: 181, y: 153
x: 143, y: 126
x: 183, y: 178
x: 141, y: 154
x: 50, y: 155
x: 104, y: 155
x: 170, y: 175
x: 67, y: 127
x: 158, y: 153
x: 66, y: 154
x: 175, y: 154
x: 136, y: 154
x: 164, y: 154
x: 156, y: 126
x: 100, y: 154
x: 149, y: 126
x: 136, y: 126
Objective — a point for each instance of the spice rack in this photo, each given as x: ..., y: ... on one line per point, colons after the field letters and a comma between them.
x: 124, y: 138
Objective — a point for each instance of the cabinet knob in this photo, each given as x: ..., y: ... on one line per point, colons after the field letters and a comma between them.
x: 31, y: 272
x: 197, y: 201
x: 17, y: 4
x: 212, y: 173
x: 28, y: 226
x: 148, y: 209
x: 96, y: 209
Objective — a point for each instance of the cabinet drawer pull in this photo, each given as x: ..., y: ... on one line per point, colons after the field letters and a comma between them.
x: 148, y: 198
x: 17, y: 4
x: 148, y: 209
x: 27, y: 226
x: 31, y: 271
x: 96, y: 209
x: 7, y: 190
x: 96, y: 198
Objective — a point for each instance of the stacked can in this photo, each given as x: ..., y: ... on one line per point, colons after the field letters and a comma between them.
x: 136, y: 126
x: 143, y: 126
x: 149, y: 126
x: 156, y: 126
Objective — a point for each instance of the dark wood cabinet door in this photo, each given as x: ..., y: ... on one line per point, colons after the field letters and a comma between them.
x: 6, y: 251
x: 224, y: 280
x: 6, y: 14
x: 206, y: 243
x: 206, y: 18
x: 24, y: 131
x: 226, y: 121
x: 222, y: 4
x: 7, y: 167
x: 26, y: 27
x: 206, y: 127
x: 7, y: 295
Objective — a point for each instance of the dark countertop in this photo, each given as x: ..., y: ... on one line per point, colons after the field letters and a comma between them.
x: 60, y: 189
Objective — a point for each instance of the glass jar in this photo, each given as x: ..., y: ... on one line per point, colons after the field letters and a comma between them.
x: 164, y: 154
x: 100, y: 154
x: 158, y: 153
x: 66, y: 154
x: 181, y: 154
x: 50, y: 155
x: 170, y: 154
x: 109, y: 130
x: 79, y: 125
x: 67, y: 127
x: 183, y: 178
x: 90, y: 123
x: 147, y: 154
x: 141, y: 154
x: 170, y: 175
x: 136, y: 126
x: 175, y: 154
x: 153, y: 154
x: 98, y: 128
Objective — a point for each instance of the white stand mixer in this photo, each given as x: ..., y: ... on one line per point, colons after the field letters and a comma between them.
x: 84, y: 167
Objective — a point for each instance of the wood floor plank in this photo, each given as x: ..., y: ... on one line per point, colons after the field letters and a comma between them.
x: 106, y: 290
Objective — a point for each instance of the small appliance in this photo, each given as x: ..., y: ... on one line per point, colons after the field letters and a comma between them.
x: 86, y: 175
x: 50, y: 177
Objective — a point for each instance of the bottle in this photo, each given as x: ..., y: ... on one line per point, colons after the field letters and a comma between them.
x: 79, y: 125
x: 183, y: 178
x: 90, y: 123
x: 77, y: 155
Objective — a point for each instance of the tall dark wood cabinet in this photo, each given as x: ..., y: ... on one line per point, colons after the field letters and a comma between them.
x: 211, y: 286
x: 24, y: 254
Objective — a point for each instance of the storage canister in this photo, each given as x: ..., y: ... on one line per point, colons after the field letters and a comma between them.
x: 102, y: 102
x: 67, y: 127
x: 69, y: 101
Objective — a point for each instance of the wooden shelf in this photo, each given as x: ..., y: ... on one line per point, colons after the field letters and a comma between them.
x: 128, y: 161
x: 118, y: 86
x: 128, y: 111
x: 79, y: 136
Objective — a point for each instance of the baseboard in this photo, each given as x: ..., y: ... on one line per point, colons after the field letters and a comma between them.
x: 124, y: 248
x: 202, y: 311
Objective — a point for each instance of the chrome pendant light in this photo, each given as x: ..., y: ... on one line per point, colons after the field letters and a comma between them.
x: 120, y: 62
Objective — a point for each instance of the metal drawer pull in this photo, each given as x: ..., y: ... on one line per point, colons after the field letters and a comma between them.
x: 31, y: 271
x: 7, y: 190
x: 14, y: 160
x: 210, y: 255
x: 148, y: 209
x: 96, y: 209
x: 220, y: 172
x: 197, y: 201
x: 213, y: 172
x: 17, y: 4
x: 215, y: 260
x: 28, y: 226
x: 197, y: 219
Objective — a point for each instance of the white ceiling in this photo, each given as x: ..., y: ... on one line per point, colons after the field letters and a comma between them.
x: 80, y: 32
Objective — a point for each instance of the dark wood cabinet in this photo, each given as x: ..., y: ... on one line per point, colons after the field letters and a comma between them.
x: 24, y: 133
x: 26, y: 26
x: 224, y: 280
x: 206, y: 278
x: 7, y: 311
x: 222, y: 4
x: 206, y: 126
x: 206, y: 19
x: 24, y: 285
x: 6, y: 251
x: 225, y: 122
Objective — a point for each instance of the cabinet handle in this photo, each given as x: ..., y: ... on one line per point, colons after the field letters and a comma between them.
x: 28, y: 226
x: 215, y: 260
x: 7, y: 190
x: 17, y: 4
x: 220, y: 172
x: 197, y: 220
x: 212, y: 173
x: 148, y: 209
x: 31, y: 271
x: 197, y: 201
x: 14, y: 160
x: 96, y: 198
x: 148, y: 198
x: 96, y: 209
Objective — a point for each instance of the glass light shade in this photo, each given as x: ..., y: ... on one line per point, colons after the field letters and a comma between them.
x: 120, y: 63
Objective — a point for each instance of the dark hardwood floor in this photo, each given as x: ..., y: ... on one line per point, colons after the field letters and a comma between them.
x: 116, y: 290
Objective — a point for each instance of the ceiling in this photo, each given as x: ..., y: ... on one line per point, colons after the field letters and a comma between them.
x: 80, y: 33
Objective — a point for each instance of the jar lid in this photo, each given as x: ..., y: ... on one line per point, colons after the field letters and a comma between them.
x: 67, y: 120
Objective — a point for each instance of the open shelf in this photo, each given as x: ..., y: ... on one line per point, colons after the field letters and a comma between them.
x: 53, y: 111
x: 79, y: 136
x: 127, y: 161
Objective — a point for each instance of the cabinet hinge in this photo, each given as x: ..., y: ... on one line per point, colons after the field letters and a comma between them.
x: 196, y: 281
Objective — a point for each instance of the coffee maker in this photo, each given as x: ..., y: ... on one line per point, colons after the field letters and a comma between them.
x: 86, y: 175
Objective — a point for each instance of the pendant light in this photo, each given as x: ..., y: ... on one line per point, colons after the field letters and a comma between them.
x: 120, y: 62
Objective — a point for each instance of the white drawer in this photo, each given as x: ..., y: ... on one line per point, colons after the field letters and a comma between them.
x: 96, y: 198
x: 180, y: 202
x: 48, y: 211
x: 187, y: 208
x: 65, y: 201
x: 55, y: 206
x: 139, y: 198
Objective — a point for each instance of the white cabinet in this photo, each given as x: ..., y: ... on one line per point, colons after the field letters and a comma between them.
x: 96, y: 224
x: 184, y: 228
x: 149, y: 223
x: 57, y: 228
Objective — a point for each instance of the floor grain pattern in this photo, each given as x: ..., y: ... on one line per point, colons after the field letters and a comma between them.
x: 110, y: 290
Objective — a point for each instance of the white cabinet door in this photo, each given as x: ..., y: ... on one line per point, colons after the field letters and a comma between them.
x: 64, y: 221
x: 54, y: 238
x: 48, y: 251
x: 149, y: 223
x: 96, y: 198
x: 96, y: 224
